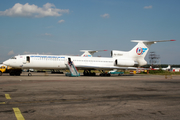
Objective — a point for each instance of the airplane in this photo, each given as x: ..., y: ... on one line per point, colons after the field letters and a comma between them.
x: 118, y: 60
x: 167, y: 68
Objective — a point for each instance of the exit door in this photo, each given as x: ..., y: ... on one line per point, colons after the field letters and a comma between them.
x: 28, y: 59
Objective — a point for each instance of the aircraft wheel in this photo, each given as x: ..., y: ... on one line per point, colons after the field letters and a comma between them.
x: 11, y: 74
x: 18, y: 74
x: 93, y: 74
x: 108, y: 74
x: 29, y: 74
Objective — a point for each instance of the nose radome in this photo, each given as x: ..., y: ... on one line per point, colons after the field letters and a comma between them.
x: 5, y: 63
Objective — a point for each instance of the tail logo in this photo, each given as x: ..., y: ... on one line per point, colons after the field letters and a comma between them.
x: 140, y: 50
x: 87, y: 55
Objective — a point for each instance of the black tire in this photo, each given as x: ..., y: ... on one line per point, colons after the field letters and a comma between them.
x: 11, y: 73
x: 108, y: 74
x: 18, y: 74
x: 29, y: 74
x: 0, y: 73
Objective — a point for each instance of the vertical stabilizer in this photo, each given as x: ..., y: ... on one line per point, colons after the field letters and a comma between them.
x: 139, y: 52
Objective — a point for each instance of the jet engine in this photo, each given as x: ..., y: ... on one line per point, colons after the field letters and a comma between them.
x: 126, y: 63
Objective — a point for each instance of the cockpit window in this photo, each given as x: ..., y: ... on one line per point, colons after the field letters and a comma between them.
x: 13, y: 57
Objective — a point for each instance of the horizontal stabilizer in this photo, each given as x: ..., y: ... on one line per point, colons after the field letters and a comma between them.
x: 89, y: 53
x: 151, y: 42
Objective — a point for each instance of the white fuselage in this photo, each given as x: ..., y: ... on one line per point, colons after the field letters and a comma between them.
x: 59, y: 62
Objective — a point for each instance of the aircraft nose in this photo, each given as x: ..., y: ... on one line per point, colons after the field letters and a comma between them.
x: 6, y: 62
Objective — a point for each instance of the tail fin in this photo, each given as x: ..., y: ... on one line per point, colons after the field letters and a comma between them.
x: 139, y: 52
x: 169, y: 67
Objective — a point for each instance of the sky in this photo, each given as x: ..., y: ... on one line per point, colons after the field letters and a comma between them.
x: 64, y: 27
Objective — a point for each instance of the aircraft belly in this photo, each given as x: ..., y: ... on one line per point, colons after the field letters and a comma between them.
x: 93, y: 66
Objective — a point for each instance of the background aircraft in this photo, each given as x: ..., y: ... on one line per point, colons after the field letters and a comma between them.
x: 167, y: 68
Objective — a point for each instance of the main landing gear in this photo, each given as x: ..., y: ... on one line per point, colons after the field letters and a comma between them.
x: 104, y: 73
x: 89, y: 73
x: 15, y: 72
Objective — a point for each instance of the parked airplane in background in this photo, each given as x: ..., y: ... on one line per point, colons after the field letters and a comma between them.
x: 118, y: 60
x: 167, y: 68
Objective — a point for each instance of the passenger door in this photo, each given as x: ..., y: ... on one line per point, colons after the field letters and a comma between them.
x: 26, y: 59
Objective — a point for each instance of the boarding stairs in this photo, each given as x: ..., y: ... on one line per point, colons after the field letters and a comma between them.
x: 73, y: 70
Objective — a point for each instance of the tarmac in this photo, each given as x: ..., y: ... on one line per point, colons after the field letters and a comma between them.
x: 57, y: 97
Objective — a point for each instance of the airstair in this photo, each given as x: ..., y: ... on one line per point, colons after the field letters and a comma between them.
x: 73, y: 71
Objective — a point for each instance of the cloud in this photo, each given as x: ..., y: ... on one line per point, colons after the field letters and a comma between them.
x: 105, y: 15
x: 26, y: 10
x: 47, y: 34
x: 11, y: 52
x: 148, y: 7
x: 61, y: 21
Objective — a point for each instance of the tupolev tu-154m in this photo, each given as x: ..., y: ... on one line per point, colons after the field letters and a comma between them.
x: 118, y: 60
